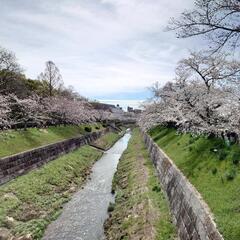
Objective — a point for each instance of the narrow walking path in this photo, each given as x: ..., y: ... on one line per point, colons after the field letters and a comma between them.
x: 83, y: 217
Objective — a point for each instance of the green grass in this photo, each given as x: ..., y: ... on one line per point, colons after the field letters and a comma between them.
x: 212, y: 166
x: 12, y: 141
x: 164, y: 227
x: 107, y: 140
x: 36, y: 199
x: 140, y: 205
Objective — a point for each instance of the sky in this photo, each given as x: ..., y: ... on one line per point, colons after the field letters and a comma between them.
x: 109, y: 50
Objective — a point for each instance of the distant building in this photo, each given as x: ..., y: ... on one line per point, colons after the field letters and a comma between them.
x: 136, y: 111
x: 107, y: 107
x: 102, y: 106
x: 129, y: 109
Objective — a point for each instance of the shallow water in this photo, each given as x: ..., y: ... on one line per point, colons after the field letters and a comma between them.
x: 84, y: 215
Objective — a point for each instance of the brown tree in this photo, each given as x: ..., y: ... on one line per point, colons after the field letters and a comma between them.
x: 11, y: 77
x: 51, y: 76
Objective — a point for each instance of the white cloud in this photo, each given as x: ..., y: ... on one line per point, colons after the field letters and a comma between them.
x: 100, y: 46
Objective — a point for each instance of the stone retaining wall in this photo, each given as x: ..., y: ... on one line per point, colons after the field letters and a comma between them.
x: 191, y: 214
x: 18, y: 164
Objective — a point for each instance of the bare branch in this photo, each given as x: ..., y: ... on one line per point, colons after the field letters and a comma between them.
x: 218, y: 20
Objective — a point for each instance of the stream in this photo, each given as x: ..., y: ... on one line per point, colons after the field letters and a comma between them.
x: 83, y: 216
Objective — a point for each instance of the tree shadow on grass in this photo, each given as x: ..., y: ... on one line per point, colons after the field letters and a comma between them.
x: 200, y: 157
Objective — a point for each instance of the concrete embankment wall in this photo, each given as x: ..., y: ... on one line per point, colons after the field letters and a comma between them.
x: 191, y: 214
x: 18, y: 164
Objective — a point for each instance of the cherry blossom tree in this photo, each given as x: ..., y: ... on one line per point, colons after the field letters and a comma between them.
x: 4, y: 110
x: 24, y: 112
x: 190, y: 107
x: 38, y: 112
x: 218, y: 20
x: 66, y: 111
x: 211, y: 70
x: 205, y: 95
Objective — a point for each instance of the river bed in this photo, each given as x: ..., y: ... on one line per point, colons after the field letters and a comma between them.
x: 84, y: 215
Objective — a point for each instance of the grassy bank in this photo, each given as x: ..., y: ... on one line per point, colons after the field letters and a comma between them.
x: 12, y: 141
x: 107, y: 140
x: 140, y: 210
x: 30, y: 202
x: 212, y: 166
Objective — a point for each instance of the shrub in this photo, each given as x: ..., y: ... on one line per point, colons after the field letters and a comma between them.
x: 190, y: 149
x: 236, y: 158
x: 214, y: 171
x: 222, y: 155
x: 191, y: 141
x: 88, y: 129
x: 220, y: 144
x: 111, y: 207
x: 97, y: 127
x: 156, y: 188
x: 231, y: 174
x: 104, y: 125
x: 235, y: 161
